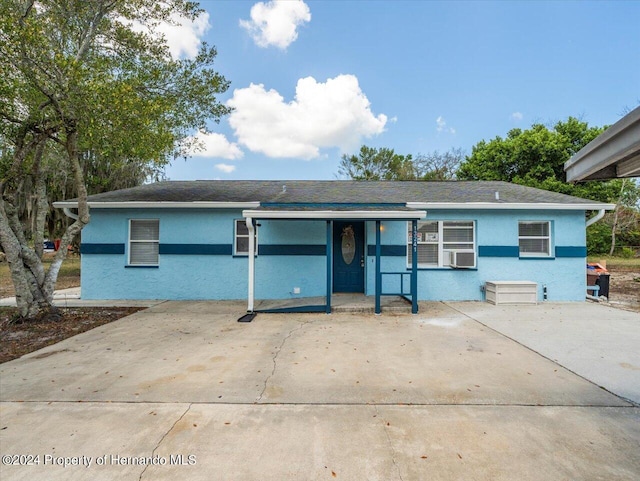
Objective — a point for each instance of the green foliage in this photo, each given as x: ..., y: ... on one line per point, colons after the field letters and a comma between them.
x: 76, y: 77
x: 377, y: 164
x: 627, y: 253
x: 535, y: 157
x: 598, y: 238
x: 77, y: 68
x: 90, y: 100
x: 630, y: 237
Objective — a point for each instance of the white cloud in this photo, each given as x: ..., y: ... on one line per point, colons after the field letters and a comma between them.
x: 276, y: 22
x: 183, y: 35
x: 516, y: 116
x: 215, y: 145
x: 226, y: 168
x: 442, y: 126
x: 322, y: 115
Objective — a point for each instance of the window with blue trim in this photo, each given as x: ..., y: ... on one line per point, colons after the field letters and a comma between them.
x: 534, y: 238
x: 443, y: 243
x: 241, y: 241
x: 144, y: 241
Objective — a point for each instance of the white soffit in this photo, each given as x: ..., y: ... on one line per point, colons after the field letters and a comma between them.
x: 335, y: 214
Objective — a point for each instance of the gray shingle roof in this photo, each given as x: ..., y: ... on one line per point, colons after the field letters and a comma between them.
x: 335, y: 191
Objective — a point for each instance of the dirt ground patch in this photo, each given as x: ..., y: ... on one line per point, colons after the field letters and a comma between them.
x: 19, y: 339
x: 624, y: 287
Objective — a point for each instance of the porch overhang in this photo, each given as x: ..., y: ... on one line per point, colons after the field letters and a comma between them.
x: 378, y: 214
x: 336, y: 214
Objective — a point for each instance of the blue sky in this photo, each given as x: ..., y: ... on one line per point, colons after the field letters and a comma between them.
x: 313, y: 80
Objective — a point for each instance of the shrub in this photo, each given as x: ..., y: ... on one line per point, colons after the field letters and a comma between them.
x: 598, y: 239
x: 627, y: 253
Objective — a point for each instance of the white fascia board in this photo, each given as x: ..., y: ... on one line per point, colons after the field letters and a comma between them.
x: 507, y: 206
x: 334, y: 214
x: 161, y: 205
x: 601, y: 158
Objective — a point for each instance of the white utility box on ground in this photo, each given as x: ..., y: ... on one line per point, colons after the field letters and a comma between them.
x: 511, y: 292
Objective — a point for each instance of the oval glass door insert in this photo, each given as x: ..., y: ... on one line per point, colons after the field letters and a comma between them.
x: 348, y: 244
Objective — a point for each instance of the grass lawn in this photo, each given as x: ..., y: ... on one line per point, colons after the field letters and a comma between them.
x: 617, y: 262
x: 69, y: 275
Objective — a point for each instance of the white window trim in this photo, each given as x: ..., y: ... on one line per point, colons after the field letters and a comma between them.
x: 442, y: 251
x: 524, y: 237
x: 134, y: 241
x: 235, y: 239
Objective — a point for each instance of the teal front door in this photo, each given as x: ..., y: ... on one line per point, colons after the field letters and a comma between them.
x: 348, y: 256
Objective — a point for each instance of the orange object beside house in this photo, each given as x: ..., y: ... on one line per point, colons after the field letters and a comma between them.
x: 596, y: 267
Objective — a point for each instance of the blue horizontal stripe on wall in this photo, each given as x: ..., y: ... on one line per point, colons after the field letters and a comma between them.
x: 571, y: 251
x: 498, y: 251
x: 388, y: 251
x: 329, y: 205
x: 90, y: 248
x: 292, y: 250
x: 197, y: 249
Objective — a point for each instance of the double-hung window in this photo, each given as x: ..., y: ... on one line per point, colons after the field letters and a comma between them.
x: 241, y: 240
x: 428, y: 244
x: 534, y: 238
x: 144, y: 239
x: 444, y: 244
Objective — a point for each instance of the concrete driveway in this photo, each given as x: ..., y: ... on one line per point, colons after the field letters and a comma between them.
x: 183, y: 391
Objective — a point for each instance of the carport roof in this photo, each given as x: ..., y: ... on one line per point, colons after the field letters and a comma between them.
x: 614, y: 153
x: 335, y: 194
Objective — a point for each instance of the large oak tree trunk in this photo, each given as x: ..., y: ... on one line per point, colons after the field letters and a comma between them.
x: 27, y: 272
x: 33, y: 286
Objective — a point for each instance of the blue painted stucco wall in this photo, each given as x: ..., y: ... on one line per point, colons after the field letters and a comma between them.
x: 185, y: 275
x: 200, y: 264
x: 564, y: 277
x: 106, y: 276
x: 277, y: 273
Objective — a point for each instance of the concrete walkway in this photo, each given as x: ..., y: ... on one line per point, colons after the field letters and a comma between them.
x: 394, y: 397
x: 597, y: 342
x: 71, y: 298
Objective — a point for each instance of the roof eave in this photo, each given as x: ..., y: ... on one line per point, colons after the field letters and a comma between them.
x: 159, y: 205
x: 509, y: 206
x: 614, y: 153
x: 347, y: 214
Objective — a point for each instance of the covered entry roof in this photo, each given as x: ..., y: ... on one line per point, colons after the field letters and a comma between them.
x: 332, y: 212
x: 614, y: 153
x: 335, y: 195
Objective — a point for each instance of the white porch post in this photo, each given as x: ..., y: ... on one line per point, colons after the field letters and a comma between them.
x: 252, y: 262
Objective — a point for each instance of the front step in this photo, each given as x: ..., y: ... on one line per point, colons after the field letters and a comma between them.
x: 366, y: 305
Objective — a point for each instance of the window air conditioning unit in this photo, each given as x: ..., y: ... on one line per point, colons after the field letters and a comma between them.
x: 462, y: 260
